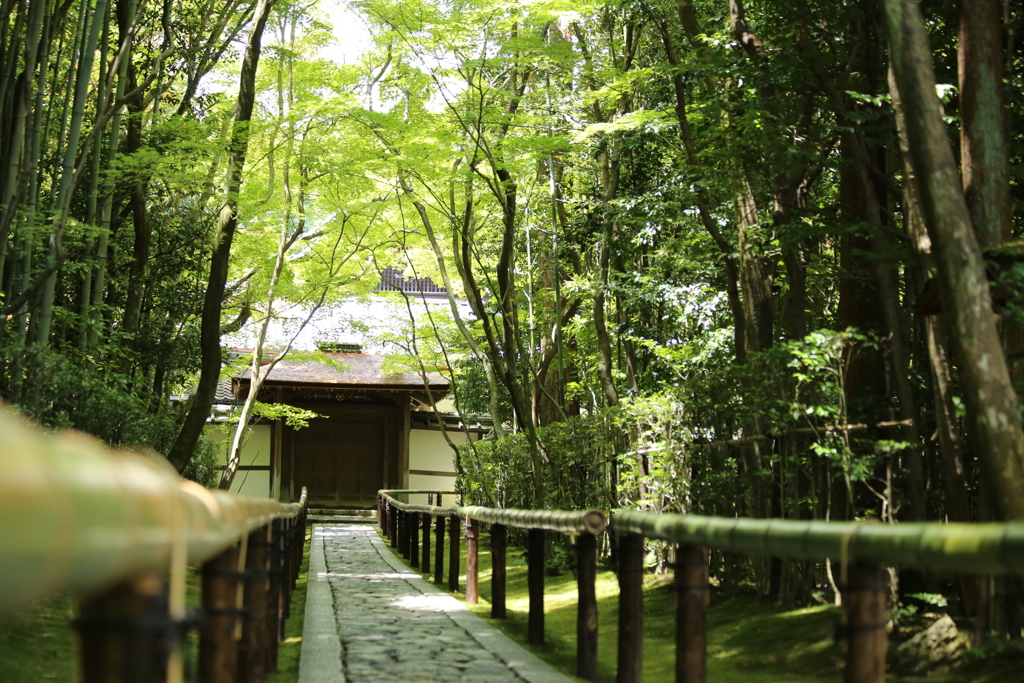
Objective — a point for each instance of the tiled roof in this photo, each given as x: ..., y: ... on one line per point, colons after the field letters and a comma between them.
x: 224, y: 394
x: 360, y: 370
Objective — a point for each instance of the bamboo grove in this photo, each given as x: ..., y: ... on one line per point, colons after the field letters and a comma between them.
x: 723, y: 257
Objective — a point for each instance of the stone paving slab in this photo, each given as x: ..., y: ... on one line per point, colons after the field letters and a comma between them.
x: 392, y: 625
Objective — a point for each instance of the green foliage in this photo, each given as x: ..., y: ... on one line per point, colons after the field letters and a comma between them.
x: 294, y: 417
x: 70, y: 392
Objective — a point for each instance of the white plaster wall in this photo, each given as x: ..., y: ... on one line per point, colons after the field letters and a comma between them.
x: 429, y: 451
x: 255, y: 451
x: 251, y: 483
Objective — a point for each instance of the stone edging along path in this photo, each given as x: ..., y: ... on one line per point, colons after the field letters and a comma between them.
x: 371, y: 618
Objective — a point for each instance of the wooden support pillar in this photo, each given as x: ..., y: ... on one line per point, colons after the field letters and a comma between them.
x: 218, y: 649
x: 586, y: 616
x: 439, y: 552
x: 453, y: 554
x: 865, y: 624
x: 498, y: 574
x: 425, y: 569
x: 535, y: 583
x: 413, y: 535
x: 126, y: 634
x: 252, y: 659
x: 472, y: 548
x: 631, y: 608
x: 691, y: 584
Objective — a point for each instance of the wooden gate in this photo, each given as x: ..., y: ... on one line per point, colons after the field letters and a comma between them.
x: 342, y: 459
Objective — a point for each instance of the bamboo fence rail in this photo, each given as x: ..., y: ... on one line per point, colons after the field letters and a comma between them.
x: 974, y: 548
x: 860, y: 550
x: 118, y: 530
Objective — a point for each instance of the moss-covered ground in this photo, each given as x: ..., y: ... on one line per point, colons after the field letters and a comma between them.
x: 749, y: 640
x: 39, y: 645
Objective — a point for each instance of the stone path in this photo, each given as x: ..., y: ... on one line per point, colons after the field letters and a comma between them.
x: 391, y: 625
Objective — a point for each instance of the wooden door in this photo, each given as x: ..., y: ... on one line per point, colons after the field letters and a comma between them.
x: 341, y: 458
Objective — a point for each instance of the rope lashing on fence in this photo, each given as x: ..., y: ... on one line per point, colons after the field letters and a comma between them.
x: 567, y: 522
x: 973, y: 548
x: 77, y: 516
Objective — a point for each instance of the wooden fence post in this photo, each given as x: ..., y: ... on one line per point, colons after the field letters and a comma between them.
x: 380, y: 515
x: 691, y: 584
x: 403, y: 534
x: 298, y: 546
x: 586, y: 616
x: 498, y: 575
x: 425, y: 569
x: 866, y: 593
x: 439, y: 552
x: 413, y: 534
x: 218, y: 650
x: 472, y: 547
x: 631, y: 608
x: 453, y: 554
x: 393, y: 520
x: 116, y: 630
x: 288, y: 552
x: 274, y: 594
x: 535, y: 583
x: 252, y: 659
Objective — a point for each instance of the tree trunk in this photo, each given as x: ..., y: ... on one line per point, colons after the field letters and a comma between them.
x: 984, y: 155
x: 209, y: 340
x: 988, y: 392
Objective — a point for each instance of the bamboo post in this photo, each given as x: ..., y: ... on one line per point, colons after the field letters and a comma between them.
x: 691, y: 583
x: 425, y: 569
x: 439, y: 552
x: 586, y: 617
x: 126, y: 634
x: 865, y: 626
x: 453, y: 554
x: 535, y: 582
x: 252, y: 662
x: 413, y: 535
x: 631, y: 608
x: 472, y: 578
x: 498, y: 574
x: 218, y: 650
